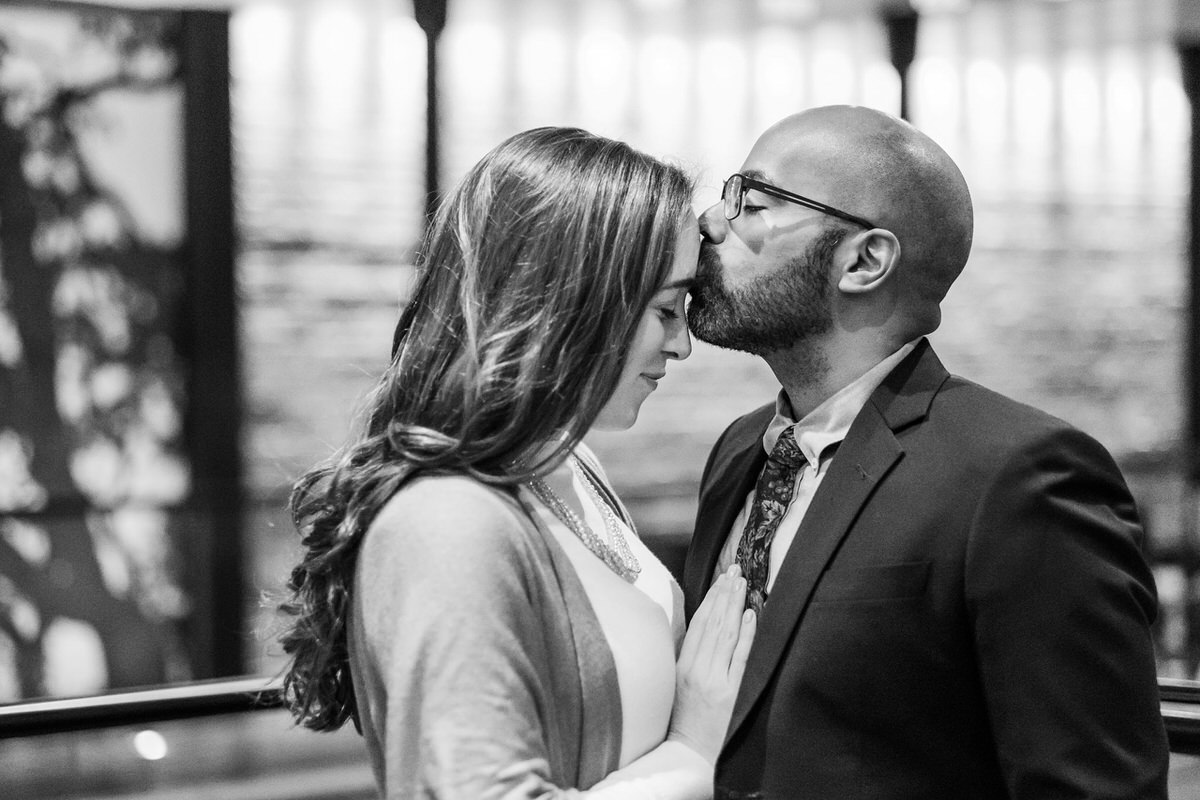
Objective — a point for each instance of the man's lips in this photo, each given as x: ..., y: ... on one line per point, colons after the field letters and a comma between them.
x: 709, y: 263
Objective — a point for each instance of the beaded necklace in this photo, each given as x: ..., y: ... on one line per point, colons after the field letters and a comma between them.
x: 617, y: 555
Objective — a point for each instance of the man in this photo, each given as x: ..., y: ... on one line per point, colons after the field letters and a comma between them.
x: 953, y: 603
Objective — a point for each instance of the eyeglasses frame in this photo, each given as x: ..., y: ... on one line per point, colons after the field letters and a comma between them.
x: 749, y: 183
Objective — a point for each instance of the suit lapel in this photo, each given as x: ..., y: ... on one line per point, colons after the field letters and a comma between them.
x: 862, y: 461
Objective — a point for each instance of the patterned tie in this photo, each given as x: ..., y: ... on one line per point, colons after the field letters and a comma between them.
x: 771, y: 498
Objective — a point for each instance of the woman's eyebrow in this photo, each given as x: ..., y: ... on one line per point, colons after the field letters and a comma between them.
x: 682, y: 283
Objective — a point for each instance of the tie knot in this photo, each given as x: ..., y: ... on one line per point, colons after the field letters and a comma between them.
x: 786, y: 451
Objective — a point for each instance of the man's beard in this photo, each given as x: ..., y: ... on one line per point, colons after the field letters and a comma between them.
x: 774, y: 312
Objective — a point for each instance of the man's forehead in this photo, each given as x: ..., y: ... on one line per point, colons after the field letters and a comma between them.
x: 785, y: 170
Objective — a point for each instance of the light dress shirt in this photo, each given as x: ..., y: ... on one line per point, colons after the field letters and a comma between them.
x: 817, y: 435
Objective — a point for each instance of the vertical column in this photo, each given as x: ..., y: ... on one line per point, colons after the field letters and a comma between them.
x: 211, y: 343
x: 431, y: 16
x: 901, y: 19
x: 1188, y: 40
x: 1189, y: 57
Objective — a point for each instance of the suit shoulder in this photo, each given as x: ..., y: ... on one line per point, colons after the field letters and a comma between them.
x: 996, y: 420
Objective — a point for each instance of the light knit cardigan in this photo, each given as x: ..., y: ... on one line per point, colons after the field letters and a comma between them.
x: 478, y: 663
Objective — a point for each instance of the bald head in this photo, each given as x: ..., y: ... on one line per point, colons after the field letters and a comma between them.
x: 882, y: 168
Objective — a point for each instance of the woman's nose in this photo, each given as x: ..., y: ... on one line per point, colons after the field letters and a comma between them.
x: 679, y: 346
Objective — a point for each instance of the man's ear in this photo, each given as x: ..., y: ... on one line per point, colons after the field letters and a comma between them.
x: 870, y: 259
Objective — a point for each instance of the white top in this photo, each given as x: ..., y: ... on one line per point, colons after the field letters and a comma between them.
x: 643, y: 623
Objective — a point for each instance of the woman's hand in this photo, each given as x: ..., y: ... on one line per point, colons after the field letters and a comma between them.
x: 710, y: 666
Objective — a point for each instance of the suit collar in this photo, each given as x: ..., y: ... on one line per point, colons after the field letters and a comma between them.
x: 905, y: 394
x: 827, y: 424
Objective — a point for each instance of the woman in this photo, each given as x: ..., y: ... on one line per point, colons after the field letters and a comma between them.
x: 473, y: 594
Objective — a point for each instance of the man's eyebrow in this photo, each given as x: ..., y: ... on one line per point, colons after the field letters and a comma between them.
x: 756, y: 174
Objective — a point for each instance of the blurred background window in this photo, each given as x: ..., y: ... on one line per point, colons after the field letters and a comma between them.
x: 191, y: 304
x: 119, y: 475
x: 1068, y: 119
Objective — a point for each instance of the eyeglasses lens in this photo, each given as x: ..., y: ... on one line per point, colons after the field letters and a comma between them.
x: 732, y: 197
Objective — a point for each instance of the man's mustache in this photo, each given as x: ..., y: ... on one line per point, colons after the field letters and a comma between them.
x: 708, y: 270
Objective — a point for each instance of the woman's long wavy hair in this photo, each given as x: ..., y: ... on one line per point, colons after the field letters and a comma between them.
x: 534, y: 275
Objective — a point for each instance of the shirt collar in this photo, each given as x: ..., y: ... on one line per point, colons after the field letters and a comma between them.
x: 828, y: 423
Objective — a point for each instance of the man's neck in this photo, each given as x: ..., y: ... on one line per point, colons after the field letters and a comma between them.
x: 814, y: 371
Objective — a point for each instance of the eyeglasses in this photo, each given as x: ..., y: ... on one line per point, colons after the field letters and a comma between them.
x: 737, y: 184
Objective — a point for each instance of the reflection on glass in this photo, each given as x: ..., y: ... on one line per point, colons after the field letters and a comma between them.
x: 605, y: 61
x: 781, y: 76
x: 834, y: 64
x: 936, y: 97
x: 665, y: 69
x: 92, y: 465
x: 881, y: 87
x: 543, y: 73
x: 987, y: 99
x: 250, y: 756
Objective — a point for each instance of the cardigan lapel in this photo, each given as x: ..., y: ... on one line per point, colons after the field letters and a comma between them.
x: 862, y: 461
x: 596, y: 710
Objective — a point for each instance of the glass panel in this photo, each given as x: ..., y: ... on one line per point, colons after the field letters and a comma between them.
x: 97, y: 500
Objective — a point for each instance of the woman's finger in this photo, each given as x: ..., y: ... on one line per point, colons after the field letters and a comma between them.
x: 715, y: 646
x: 699, y: 624
x: 741, y: 652
x: 706, y: 622
x: 728, y: 628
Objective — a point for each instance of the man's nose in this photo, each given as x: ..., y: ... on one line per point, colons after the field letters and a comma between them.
x: 713, y: 224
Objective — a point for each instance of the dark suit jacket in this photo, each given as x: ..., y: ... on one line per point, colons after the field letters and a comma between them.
x: 964, y: 613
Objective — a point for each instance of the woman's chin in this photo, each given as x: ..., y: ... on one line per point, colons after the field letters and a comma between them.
x: 613, y: 420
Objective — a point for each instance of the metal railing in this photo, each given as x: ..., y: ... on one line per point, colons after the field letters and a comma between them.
x: 1180, y: 704
x: 143, y: 706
